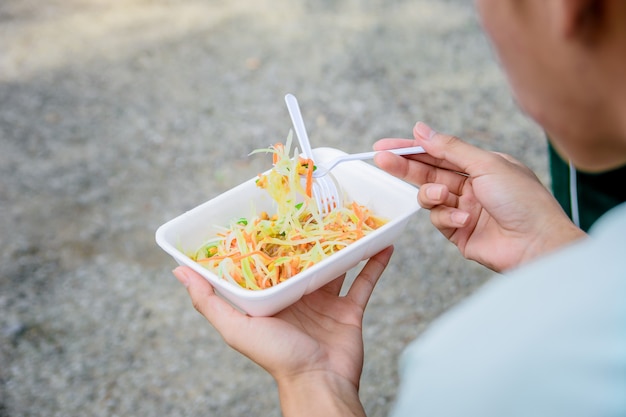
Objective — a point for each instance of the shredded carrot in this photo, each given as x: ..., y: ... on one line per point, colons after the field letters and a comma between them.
x: 309, y: 178
x: 236, y: 257
x: 276, y: 157
x: 359, y: 214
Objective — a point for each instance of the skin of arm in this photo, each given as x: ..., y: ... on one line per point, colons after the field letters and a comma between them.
x: 312, y: 395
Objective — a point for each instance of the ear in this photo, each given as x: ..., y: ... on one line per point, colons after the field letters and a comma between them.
x: 579, y: 19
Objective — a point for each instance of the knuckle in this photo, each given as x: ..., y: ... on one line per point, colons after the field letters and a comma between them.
x: 197, y: 305
x: 451, y: 140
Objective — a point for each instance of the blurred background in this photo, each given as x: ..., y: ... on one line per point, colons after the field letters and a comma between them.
x: 118, y: 115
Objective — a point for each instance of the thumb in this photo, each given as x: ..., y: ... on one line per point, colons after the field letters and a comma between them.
x: 452, y: 152
x: 224, y: 317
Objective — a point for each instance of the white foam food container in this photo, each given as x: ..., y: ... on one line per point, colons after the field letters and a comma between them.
x: 385, y: 195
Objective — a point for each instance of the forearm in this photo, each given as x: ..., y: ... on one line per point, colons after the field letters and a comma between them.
x: 319, y: 396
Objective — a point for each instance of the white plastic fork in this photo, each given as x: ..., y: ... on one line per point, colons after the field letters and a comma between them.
x: 327, y: 166
x: 324, y: 190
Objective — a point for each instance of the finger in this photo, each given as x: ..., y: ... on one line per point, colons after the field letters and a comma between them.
x: 394, y: 143
x: 468, y: 158
x: 431, y: 195
x: 419, y: 169
x: 365, y: 282
x: 224, y: 317
x: 448, y: 219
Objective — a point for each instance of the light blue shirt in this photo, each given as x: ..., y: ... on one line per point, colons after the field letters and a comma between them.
x: 548, y: 339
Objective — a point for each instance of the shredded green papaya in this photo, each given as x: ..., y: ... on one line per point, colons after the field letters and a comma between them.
x: 263, y: 251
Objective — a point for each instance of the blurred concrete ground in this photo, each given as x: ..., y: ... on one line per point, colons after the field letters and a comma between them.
x: 117, y: 116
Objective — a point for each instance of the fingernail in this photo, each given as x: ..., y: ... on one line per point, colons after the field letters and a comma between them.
x: 459, y: 217
x: 424, y: 130
x: 434, y: 192
x: 181, y: 276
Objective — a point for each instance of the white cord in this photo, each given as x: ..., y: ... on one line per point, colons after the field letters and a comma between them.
x: 573, y: 194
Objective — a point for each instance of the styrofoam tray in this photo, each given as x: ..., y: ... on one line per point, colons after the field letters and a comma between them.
x: 382, y: 193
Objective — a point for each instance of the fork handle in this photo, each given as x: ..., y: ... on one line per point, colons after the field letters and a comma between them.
x: 298, y: 123
x: 412, y: 150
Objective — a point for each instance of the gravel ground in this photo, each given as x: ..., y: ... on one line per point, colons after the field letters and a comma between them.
x: 117, y: 116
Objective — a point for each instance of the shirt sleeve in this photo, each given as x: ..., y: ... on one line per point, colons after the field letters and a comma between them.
x: 547, y: 340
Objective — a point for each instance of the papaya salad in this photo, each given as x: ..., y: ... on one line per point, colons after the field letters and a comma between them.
x: 267, y: 249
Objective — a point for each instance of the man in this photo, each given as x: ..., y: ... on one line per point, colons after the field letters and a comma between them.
x: 547, y: 338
